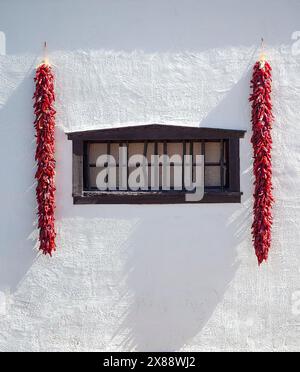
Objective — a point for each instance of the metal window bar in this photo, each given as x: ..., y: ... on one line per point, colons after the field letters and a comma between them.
x: 156, y: 153
x: 203, y: 153
x: 183, y: 160
x: 192, y: 157
x: 145, y: 156
x: 86, y: 171
x: 118, y: 168
x: 222, y: 164
x: 226, y: 150
x: 127, y: 146
x: 165, y: 152
x: 108, y: 153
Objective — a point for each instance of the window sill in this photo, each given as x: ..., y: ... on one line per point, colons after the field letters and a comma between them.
x: 156, y: 197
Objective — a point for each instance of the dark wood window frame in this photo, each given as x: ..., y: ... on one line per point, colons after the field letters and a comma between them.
x: 154, y: 133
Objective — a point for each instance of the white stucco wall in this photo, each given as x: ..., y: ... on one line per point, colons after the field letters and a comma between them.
x: 158, y: 278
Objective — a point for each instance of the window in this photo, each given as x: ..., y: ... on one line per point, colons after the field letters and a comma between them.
x: 220, y: 148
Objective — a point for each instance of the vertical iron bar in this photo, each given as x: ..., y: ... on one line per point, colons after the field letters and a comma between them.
x: 119, y: 165
x: 86, y: 166
x: 163, y: 171
x: 183, y: 163
x: 146, y: 173
x: 192, y: 157
x: 222, y: 165
x: 127, y: 147
x: 107, y: 153
x: 156, y: 153
x: 145, y: 148
x: 203, y: 153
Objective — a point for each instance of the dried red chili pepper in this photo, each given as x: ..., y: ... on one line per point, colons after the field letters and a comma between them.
x: 262, y: 119
x: 44, y: 124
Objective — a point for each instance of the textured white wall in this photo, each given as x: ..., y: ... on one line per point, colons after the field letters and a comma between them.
x: 180, y: 277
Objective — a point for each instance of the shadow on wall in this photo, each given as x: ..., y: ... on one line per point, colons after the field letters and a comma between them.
x: 179, y: 260
x: 178, y: 268
x: 226, y: 114
x: 17, y: 214
x: 176, y: 279
x: 178, y: 271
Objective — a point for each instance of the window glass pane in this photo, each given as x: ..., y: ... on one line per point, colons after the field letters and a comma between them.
x: 176, y: 178
x: 94, y: 171
x: 212, y: 176
x: 175, y: 148
x: 160, y: 148
x: 197, y: 150
x: 114, y: 151
x: 132, y: 169
x: 93, y: 175
x: 95, y: 150
x: 135, y: 149
x: 212, y: 152
x: 187, y: 148
x: 150, y: 177
x: 150, y: 151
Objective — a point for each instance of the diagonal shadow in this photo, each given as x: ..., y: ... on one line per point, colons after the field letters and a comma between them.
x: 17, y: 213
x: 175, y: 280
x: 178, y: 269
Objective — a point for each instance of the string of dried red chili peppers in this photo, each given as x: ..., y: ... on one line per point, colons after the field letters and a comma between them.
x: 45, y: 124
x: 262, y: 119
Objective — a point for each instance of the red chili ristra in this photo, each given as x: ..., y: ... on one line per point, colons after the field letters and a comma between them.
x: 44, y: 124
x: 262, y: 119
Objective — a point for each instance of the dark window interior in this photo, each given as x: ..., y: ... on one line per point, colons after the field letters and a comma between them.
x: 215, y: 154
